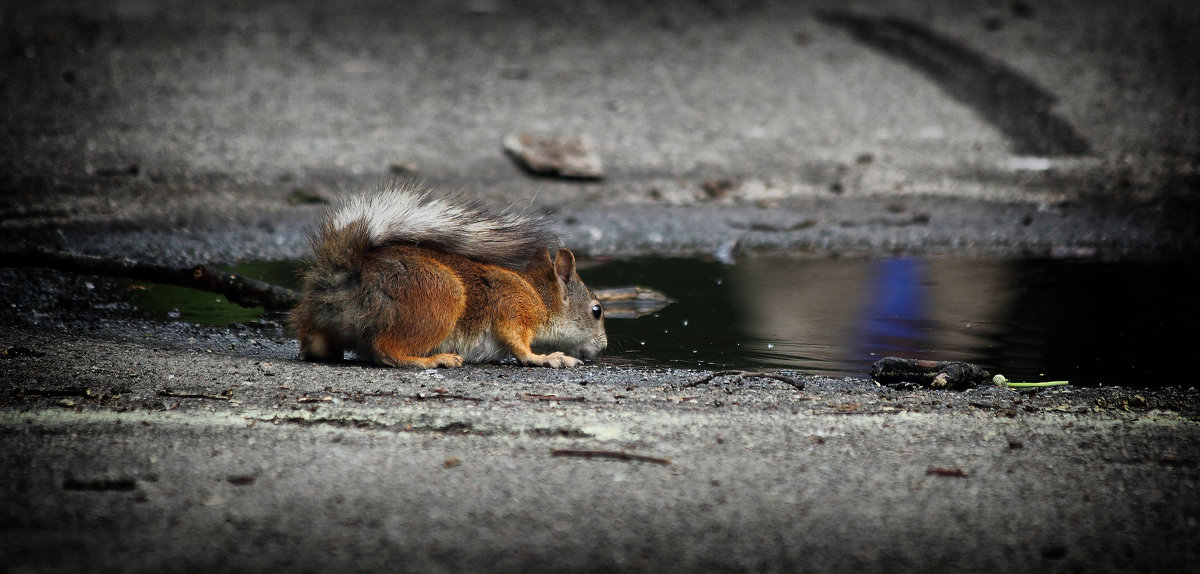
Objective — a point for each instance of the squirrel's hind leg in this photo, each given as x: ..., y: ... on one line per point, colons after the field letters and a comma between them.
x: 390, y: 351
x: 320, y: 345
x: 414, y: 302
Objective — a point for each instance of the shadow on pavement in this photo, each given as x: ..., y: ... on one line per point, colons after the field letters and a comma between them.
x: 1004, y: 97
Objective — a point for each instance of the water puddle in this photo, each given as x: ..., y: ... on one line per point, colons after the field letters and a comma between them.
x: 158, y: 302
x: 1092, y: 323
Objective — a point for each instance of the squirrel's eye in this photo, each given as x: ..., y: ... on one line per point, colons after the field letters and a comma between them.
x: 597, y: 310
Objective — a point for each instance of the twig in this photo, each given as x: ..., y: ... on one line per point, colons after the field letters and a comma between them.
x: 169, y: 393
x: 442, y: 396
x: 67, y: 392
x: 536, y: 397
x: 613, y: 454
x: 857, y: 413
x: 740, y: 376
x: 244, y: 291
x: 952, y: 472
x: 308, y: 399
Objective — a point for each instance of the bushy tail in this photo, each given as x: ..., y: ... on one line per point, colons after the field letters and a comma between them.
x: 410, y: 215
x: 340, y: 249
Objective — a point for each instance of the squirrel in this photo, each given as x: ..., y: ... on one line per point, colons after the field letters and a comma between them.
x: 405, y: 279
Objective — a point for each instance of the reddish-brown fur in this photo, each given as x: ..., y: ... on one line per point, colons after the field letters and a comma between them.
x: 403, y: 280
x: 456, y: 298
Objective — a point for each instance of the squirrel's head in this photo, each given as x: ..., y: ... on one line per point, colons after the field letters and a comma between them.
x: 576, y: 328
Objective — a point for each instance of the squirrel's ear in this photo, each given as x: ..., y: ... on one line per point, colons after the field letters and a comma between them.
x: 564, y: 265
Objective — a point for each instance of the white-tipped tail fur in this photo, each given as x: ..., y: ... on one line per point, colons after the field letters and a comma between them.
x: 409, y: 214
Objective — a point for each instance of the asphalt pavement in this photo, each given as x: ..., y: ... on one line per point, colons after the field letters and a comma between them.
x: 183, y: 133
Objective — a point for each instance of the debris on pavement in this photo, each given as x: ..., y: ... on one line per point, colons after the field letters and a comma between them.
x: 926, y: 373
x: 568, y: 157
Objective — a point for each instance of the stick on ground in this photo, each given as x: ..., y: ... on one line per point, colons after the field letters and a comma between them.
x: 237, y: 288
x: 739, y: 376
x: 613, y: 454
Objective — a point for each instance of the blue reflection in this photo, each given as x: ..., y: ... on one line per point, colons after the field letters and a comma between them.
x: 895, y: 311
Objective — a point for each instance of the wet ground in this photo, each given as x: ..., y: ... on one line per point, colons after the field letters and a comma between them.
x: 733, y: 133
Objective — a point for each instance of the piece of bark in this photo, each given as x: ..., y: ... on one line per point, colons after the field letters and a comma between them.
x: 569, y: 157
x: 631, y: 302
x: 925, y: 373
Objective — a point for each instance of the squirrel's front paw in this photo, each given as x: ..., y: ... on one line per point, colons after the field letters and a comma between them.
x: 555, y: 360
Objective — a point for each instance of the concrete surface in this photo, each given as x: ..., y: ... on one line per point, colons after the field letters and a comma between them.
x: 145, y: 456
x: 177, y: 132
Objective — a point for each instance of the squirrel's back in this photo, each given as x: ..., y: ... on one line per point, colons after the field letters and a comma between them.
x: 410, y: 215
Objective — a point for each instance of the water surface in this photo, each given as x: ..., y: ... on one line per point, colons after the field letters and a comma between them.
x: 1093, y: 323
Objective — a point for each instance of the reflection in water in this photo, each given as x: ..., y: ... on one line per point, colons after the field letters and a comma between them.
x: 845, y: 314
x: 890, y: 322
x: 1088, y: 322
x: 941, y: 309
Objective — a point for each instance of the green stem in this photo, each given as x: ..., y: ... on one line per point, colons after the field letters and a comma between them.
x: 1034, y: 385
